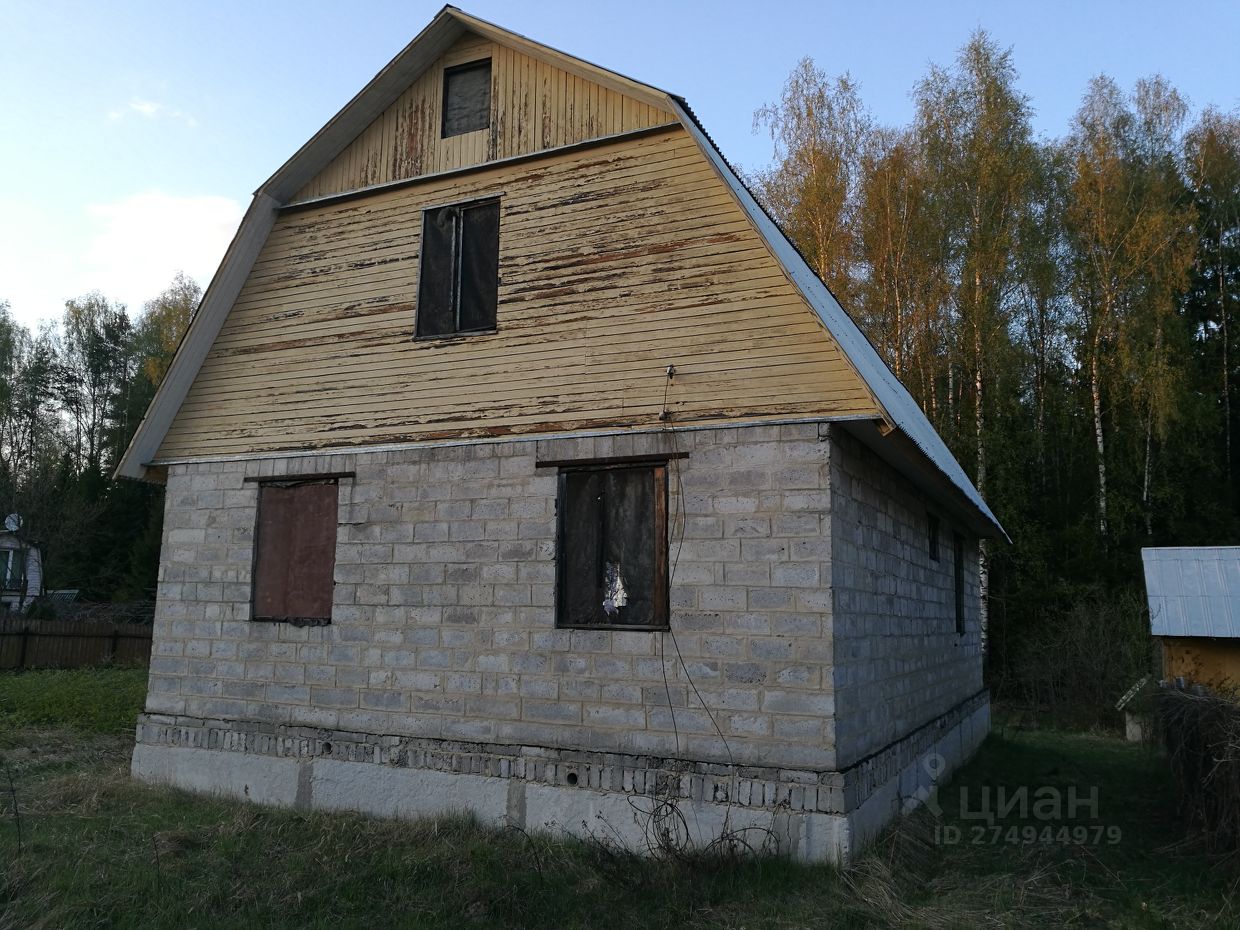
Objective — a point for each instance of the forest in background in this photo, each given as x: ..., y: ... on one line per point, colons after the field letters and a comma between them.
x: 71, y: 395
x: 1060, y: 309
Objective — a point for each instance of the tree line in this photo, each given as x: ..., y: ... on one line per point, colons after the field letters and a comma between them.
x: 72, y: 393
x: 1060, y: 309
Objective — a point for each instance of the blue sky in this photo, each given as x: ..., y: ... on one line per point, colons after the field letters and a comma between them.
x: 133, y: 133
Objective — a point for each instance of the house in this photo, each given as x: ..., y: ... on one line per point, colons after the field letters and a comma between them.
x: 1194, y: 600
x: 21, y: 571
x: 515, y: 461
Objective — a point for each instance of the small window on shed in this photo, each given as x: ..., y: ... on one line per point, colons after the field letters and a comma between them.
x: 612, y: 559
x: 295, y: 551
x: 467, y: 98
x: 458, y: 281
x: 934, y: 536
x: 958, y: 545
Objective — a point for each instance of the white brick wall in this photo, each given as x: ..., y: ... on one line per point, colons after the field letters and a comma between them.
x: 899, y: 662
x: 444, y: 618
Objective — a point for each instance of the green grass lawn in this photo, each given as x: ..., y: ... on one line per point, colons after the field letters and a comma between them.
x: 88, y: 848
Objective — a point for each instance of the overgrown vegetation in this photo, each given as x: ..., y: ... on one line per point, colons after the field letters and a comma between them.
x: 1202, y: 736
x: 97, y: 850
x: 1061, y: 310
x: 102, y: 700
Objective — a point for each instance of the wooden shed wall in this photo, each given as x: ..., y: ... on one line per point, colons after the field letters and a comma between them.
x: 1202, y: 660
x: 534, y: 106
x: 615, y: 261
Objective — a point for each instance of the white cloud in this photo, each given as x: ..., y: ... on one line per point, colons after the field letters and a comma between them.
x: 150, y: 109
x: 128, y: 249
x: 140, y: 242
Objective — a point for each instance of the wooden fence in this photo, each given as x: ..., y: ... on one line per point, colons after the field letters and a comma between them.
x: 72, y: 643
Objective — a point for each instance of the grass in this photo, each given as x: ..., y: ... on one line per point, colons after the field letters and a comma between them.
x: 103, y: 700
x: 97, y: 850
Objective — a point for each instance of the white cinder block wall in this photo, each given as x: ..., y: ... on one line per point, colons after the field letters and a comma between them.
x: 444, y: 616
x: 900, y: 662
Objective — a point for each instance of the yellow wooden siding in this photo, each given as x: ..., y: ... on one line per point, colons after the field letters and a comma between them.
x: 1202, y: 660
x: 615, y: 262
x: 534, y: 106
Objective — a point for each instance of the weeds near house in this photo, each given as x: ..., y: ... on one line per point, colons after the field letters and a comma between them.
x: 99, y: 850
x: 94, y: 700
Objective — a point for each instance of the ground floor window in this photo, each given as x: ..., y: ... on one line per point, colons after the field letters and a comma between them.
x: 295, y: 551
x: 611, y: 564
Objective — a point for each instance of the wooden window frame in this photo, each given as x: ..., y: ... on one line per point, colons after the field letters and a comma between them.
x: 661, y: 598
x: 474, y: 65
x: 456, y: 332
x: 291, y: 481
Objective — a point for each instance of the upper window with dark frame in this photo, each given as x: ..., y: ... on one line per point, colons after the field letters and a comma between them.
x: 612, y: 560
x: 467, y: 98
x: 295, y: 551
x: 458, y: 284
x: 933, y: 533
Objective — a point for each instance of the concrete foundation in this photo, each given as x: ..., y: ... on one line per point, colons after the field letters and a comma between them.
x: 638, y: 803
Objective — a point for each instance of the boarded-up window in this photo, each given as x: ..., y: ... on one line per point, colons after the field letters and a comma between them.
x: 612, y: 559
x: 458, y: 284
x: 467, y: 98
x: 958, y: 544
x: 295, y: 549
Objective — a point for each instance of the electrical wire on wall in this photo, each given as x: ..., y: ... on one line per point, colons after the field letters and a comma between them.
x: 665, y: 416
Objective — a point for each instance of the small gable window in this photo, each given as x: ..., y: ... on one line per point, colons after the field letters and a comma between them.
x: 458, y: 283
x: 612, y: 559
x: 295, y: 551
x: 467, y: 98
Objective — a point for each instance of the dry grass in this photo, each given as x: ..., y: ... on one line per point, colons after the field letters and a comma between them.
x: 98, y: 850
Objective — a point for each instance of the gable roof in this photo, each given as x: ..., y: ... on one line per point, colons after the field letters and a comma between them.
x: 900, y: 412
x: 1193, y: 591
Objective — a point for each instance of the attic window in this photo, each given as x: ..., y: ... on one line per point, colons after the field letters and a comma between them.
x: 467, y: 98
x: 458, y: 283
x: 611, y: 567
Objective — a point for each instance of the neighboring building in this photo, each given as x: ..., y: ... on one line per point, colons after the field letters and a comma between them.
x: 516, y: 461
x: 21, y: 572
x: 1194, y: 597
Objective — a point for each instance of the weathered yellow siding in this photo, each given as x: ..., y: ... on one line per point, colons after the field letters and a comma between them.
x: 1202, y: 660
x: 534, y: 106
x: 615, y: 261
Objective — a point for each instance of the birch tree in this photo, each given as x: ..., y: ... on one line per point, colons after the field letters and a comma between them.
x: 1127, y: 229
x: 819, y: 127
x: 1212, y: 162
x: 973, y: 126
